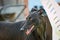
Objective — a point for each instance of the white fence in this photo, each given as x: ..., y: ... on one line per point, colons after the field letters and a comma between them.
x: 53, y: 12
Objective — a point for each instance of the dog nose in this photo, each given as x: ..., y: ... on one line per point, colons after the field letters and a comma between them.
x: 22, y: 29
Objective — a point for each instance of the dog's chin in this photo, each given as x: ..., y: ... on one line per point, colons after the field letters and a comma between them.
x: 29, y: 31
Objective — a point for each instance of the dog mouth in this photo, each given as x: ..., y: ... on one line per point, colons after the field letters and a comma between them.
x: 29, y: 31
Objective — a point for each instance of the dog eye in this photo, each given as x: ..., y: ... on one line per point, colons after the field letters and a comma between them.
x: 30, y: 18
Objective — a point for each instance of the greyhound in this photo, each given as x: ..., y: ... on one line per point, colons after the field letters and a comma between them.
x: 36, y: 20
